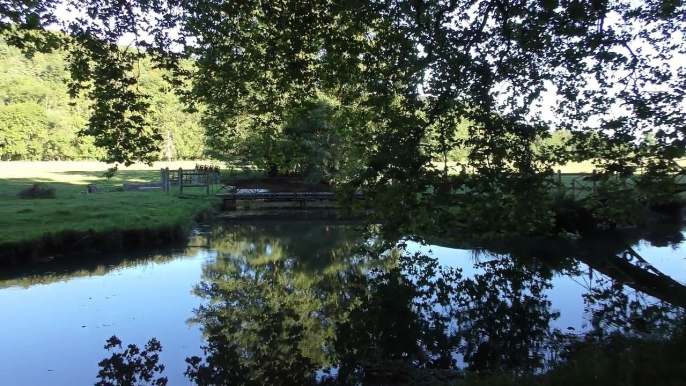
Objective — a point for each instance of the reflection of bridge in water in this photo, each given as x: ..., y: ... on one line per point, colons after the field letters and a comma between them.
x: 626, y: 267
x: 630, y: 269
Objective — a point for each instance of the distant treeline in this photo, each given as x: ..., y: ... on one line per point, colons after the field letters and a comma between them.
x: 39, y: 123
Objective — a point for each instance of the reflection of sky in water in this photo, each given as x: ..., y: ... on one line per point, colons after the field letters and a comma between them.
x: 54, y: 334
x: 566, y: 294
x: 669, y: 261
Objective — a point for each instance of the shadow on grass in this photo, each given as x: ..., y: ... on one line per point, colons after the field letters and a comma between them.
x: 10, y: 189
x: 71, y: 183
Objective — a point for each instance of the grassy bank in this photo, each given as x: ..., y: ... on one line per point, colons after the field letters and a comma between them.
x: 75, y: 222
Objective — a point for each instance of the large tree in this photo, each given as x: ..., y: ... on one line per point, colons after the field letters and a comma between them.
x: 606, y: 69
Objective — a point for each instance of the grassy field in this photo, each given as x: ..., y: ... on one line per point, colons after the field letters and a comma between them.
x: 24, y: 220
x: 111, y: 209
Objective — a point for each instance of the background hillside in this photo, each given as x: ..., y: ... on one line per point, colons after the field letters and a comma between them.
x: 37, y: 122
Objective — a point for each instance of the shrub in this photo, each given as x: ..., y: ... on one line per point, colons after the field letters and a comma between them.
x: 38, y: 191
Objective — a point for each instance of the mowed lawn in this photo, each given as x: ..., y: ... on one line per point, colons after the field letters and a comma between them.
x: 73, y: 210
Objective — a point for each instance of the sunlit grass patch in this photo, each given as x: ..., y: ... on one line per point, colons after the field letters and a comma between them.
x: 72, y: 210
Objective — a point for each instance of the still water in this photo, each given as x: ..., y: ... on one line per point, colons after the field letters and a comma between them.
x: 306, y: 294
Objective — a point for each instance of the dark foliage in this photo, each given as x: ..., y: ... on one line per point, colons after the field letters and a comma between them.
x: 131, y: 366
x: 38, y: 191
x: 208, y: 168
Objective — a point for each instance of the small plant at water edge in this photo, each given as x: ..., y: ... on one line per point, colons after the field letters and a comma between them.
x: 38, y: 191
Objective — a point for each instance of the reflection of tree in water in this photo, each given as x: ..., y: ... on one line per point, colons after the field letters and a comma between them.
x: 614, y: 308
x: 309, y: 246
x: 260, y: 323
x: 626, y: 294
x: 616, y: 300
x: 285, y: 303
x: 506, y: 314
x: 267, y: 305
x: 273, y: 302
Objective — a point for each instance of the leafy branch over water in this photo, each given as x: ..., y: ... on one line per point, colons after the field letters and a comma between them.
x: 403, y: 77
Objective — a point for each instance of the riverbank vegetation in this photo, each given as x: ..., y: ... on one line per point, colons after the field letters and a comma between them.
x: 74, y: 221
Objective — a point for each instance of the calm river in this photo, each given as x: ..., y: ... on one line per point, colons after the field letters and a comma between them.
x: 305, y: 293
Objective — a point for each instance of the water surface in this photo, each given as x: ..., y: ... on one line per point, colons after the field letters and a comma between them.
x: 319, y: 299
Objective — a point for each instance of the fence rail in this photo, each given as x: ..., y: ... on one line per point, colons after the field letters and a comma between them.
x: 580, y: 185
x: 188, y: 179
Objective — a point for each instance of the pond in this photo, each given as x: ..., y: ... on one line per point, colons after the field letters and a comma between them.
x: 292, y: 298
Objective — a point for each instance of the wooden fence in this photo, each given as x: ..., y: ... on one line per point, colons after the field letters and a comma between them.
x: 580, y: 186
x: 576, y: 184
x: 188, y: 179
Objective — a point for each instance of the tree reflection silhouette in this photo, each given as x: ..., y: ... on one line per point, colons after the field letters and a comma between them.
x: 268, y: 305
x: 321, y: 304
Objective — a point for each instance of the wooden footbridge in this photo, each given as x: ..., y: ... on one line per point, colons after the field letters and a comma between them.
x: 579, y: 186
x: 230, y: 199
x: 250, y: 189
x: 275, y: 189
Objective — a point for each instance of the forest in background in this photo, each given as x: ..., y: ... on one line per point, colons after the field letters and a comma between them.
x: 40, y: 122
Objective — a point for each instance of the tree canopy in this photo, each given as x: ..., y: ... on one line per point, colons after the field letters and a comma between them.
x: 406, y: 73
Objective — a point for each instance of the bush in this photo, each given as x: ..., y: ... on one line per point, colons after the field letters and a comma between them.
x: 38, y: 191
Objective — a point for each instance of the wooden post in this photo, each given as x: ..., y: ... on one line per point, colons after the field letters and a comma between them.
x: 560, y: 188
x: 180, y: 181
x: 207, y: 182
x: 167, y: 183
x: 594, y: 176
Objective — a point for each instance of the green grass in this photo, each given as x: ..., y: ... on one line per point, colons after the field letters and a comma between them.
x: 109, y: 210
